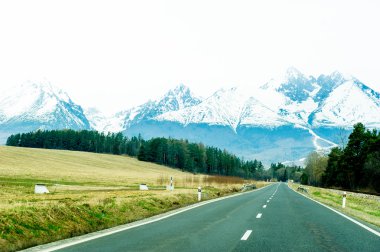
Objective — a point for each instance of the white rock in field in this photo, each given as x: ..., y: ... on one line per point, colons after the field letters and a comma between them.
x: 40, y: 189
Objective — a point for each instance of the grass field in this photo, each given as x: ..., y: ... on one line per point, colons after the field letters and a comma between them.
x: 360, y: 206
x: 88, y: 192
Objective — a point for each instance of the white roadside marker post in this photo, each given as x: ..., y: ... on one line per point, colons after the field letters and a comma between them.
x: 199, y: 193
x: 344, y: 199
x: 171, y: 183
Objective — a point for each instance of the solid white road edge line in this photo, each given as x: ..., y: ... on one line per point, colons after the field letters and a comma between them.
x: 341, y: 214
x: 92, y: 236
x: 259, y: 216
x: 246, y: 235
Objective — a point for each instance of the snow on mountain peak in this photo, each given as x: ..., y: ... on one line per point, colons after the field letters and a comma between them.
x: 224, y: 107
x: 40, y: 103
x: 293, y: 73
x: 105, y: 123
x: 348, y: 104
x: 341, y: 76
x: 294, y: 99
x: 178, y: 98
x: 181, y: 88
x: 21, y: 99
x: 175, y: 99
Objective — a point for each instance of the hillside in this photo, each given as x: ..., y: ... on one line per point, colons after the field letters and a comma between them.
x: 88, y: 192
x: 59, y: 166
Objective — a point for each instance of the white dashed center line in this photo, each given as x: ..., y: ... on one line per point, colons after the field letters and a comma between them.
x: 259, y: 216
x: 265, y: 206
x: 246, y: 235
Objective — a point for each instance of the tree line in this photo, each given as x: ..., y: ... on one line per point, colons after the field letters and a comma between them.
x: 84, y: 140
x: 355, y: 166
x: 180, y: 154
x: 197, y: 158
x: 281, y: 172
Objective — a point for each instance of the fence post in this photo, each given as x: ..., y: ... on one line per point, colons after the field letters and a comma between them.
x: 344, y: 199
x: 199, y: 193
x: 171, y: 184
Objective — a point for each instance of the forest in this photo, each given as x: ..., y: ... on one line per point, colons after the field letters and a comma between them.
x: 353, y: 166
x: 180, y: 154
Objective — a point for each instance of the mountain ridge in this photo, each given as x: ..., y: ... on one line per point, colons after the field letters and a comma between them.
x: 313, y: 108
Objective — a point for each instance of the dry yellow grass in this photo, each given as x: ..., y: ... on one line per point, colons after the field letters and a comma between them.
x: 89, y: 192
x: 81, y: 167
x: 73, y: 167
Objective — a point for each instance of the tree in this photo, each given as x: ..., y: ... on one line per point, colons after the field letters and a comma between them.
x: 354, y: 155
x: 329, y: 178
x: 357, y: 165
x: 142, y: 156
x: 304, y: 179
x: 342, y: 137
x: 315, y: 167
x: 371, y: 178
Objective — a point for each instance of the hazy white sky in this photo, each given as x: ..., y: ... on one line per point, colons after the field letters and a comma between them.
x: 117, y: 54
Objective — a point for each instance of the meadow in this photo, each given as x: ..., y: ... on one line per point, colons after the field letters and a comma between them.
x: 89, y: 192
x: 360, y: 206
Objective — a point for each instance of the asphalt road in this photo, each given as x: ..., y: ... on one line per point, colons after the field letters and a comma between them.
x: 272, y: 219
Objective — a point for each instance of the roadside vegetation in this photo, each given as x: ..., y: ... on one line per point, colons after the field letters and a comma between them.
x: 354, y: 166
x: 89, y: 192
x: 361, y: 206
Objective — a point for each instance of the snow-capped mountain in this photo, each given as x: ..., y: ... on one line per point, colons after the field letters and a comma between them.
x: 347, y: 104
x: 232, y: 107
x: 222, y: 108
x: 283, y: 119
x: 105, y: 123
x: 34, y: 106
x: 331, y: 101
x: 179, y: 98
x: 176, y: 99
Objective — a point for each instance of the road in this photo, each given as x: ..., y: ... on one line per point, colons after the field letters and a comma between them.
x: 274, y: 218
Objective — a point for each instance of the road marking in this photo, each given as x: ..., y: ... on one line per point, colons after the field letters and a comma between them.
x: 267, y: 201
x: 341, y: 214
x: 95, y: 235
x: 265, y: 206
x: 259, y: 216
x: 246, y: 235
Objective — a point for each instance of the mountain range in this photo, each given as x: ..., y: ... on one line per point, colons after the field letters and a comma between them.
x: 282, y: 120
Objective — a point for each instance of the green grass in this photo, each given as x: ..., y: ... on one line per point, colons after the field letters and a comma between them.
x: 88, y: 192
x: 366, y: 208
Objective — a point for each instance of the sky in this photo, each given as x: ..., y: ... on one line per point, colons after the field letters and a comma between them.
x: 114, y: 55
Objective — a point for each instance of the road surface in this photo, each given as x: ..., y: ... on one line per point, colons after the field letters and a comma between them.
x: 274, y: 218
